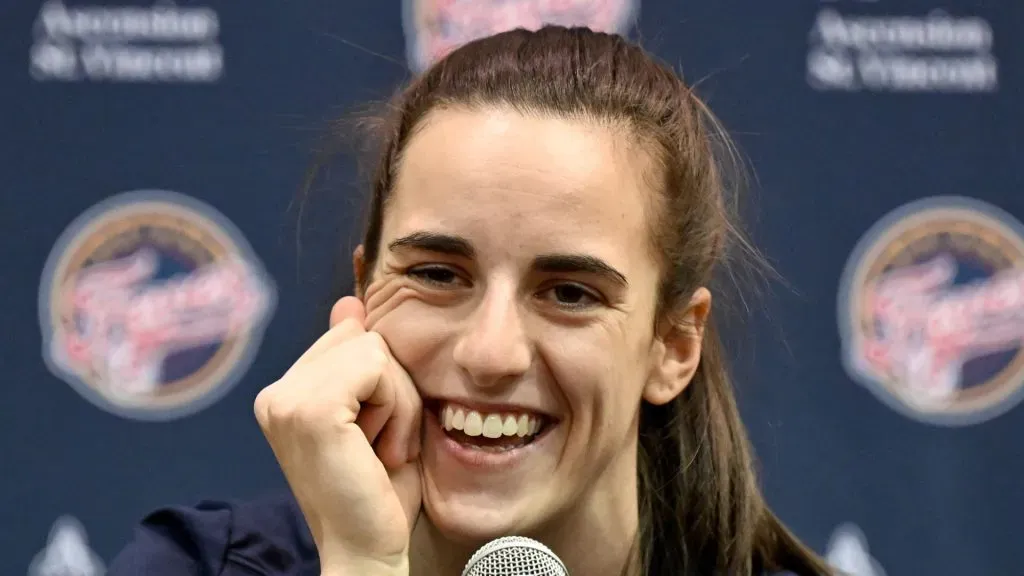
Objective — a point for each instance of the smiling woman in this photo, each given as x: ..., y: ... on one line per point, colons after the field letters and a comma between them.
x: 531, y: 348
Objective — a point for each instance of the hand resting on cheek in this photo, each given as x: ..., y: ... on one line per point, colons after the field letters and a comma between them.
x: 344, y: 424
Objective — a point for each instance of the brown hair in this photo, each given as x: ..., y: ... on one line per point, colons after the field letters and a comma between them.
x: 701, y: 511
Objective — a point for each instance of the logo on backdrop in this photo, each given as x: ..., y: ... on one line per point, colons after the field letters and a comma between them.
x: 853, y: 46
x: 931, y: 311
x: 67, y: 552
x: 152, y: 305
x: 162, y: 43
x: 848, y: 552
x: 433, y: 28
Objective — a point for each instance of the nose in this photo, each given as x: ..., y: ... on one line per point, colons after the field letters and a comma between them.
x: 493, y: 347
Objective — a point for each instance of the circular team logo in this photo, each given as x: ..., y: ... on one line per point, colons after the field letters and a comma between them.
x: 433, y: 28
x: 931, y: 311
x: 152, y: 305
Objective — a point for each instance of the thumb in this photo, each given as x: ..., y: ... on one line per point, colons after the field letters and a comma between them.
x: 346, y: 308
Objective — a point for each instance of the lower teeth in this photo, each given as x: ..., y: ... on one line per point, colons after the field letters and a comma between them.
x: 496, y: 449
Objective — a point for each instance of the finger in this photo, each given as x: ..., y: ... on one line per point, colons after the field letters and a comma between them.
x: 413, y: 439
x: 399, y: 440
x: 390, y: 417
x: 371, y: 420
x: 348, y: 307
x: 331, y: 387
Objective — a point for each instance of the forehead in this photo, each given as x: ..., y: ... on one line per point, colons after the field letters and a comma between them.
x: 547, y: 183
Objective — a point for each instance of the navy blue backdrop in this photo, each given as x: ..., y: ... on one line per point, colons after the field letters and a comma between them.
x: 151, y: 154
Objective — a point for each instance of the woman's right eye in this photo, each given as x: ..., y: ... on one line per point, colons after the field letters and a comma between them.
x: 433, y: 275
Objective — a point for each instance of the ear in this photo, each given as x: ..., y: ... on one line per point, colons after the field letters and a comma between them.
x: 675, y: 354
x: 359, y: 269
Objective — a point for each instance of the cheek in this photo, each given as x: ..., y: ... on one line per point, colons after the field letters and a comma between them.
x: 414, y: 330
x: 601, y: 375
x: 383, y: 296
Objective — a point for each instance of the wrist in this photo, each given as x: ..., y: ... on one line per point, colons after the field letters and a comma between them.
x: 365, y: 567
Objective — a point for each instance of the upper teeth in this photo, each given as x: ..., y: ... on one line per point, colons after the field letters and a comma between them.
x: 473, y: 423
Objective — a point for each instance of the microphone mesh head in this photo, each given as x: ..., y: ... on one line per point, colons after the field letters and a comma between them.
x: 514, y: 556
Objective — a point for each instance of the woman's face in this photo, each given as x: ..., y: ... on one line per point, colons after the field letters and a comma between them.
x: 516, y: 287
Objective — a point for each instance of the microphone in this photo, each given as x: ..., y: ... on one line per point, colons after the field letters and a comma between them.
x: 514, y: 556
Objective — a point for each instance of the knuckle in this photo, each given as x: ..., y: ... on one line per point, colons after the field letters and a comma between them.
x: 273, y: 406
x: 376, y: 349
x: 261, y: 406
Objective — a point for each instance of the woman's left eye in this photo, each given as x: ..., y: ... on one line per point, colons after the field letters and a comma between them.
x: 573, y: 296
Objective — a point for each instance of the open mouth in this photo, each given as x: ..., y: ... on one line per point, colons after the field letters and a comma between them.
x: 489, y: 431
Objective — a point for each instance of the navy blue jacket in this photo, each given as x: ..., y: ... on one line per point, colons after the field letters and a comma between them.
x: 262, y: 537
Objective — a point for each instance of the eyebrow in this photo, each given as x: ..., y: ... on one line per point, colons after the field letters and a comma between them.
x: 579, y: 263
x: 434, y: 242
x: 551, y: 263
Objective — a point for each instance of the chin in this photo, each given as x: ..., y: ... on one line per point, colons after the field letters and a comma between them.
x: 473, y: 495
x: 476, y: 519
